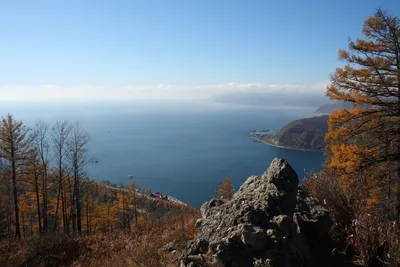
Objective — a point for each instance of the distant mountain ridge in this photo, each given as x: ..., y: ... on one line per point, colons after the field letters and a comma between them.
x: 327, y: 109
x: 303, y: 134
x: 271, y: 99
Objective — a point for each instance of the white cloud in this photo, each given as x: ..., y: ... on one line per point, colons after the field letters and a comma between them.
x: 46, y: 92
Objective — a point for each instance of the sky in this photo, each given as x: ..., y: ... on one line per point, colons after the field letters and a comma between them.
x: 127, y: 49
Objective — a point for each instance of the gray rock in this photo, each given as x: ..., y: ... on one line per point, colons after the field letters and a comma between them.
x: 270, y: 221
x: 285, y: 225
x: 253, y: 237
x: 169, y: 246
x: 205, y: 208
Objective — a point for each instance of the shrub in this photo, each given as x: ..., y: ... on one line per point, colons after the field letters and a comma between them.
x: 328, y: 192
x: 376, y: 240
x: 369, y: 233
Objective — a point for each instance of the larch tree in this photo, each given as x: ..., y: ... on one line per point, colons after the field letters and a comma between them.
x: 123, y: 207
x: 33, y: 174
x: 60, y: 134
x: 15, y: 148
x: 132, y: 200
x: 42, y: 146
x: 363, y: 143
x: 108, y: 215
x: 25, y: 204
x: 225, y: 189
x: 89, y: 192
x: 79, y: 160
x: 5, y: 204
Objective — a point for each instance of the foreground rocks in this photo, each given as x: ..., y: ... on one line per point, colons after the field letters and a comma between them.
x: 271, y: 221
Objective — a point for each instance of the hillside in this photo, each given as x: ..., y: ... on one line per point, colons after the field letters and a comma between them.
x: 149, y: 243
x: 302, y: 134
x: 121, y: 226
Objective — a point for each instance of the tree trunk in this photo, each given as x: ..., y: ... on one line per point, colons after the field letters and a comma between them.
x: 134, y: 205
x: 63, y: 205
x: 55, y: 226
x: 23, y: 224
x: 87, y: 214
x: 71, y: 216
x: 37, y: 199
x: 15, y: 193
x: 9, y: 208
x: 398, y: 136
x: 78, y: 209
x: 123, y: 210
x: 31, y: 224
x: 44, y: 196
x: 77, y: 201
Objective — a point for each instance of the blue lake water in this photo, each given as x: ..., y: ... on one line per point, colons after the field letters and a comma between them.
x: 182, y: 149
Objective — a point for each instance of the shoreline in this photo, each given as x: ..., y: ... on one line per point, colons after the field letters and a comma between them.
x: 271, y: 143
x: 125, y: 189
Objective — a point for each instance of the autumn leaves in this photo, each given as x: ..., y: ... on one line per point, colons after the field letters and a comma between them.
x: 363, y: 142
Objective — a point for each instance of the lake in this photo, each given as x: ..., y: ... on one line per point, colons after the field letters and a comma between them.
x: 183, y: 149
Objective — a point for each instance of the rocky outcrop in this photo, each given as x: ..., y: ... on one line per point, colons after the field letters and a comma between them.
x: 270, y: 221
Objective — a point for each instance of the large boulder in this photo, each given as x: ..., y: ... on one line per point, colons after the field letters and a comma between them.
x: 270, y: 221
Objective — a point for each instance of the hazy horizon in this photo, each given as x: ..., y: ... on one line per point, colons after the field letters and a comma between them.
x: 133, y: 50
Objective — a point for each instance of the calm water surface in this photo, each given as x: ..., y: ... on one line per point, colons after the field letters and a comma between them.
x: 181, y: 149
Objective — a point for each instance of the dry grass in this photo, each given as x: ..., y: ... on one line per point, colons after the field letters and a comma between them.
x: 376, y: 240
x: 138, y: 247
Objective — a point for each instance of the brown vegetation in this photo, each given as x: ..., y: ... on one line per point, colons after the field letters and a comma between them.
x: 143, y: 246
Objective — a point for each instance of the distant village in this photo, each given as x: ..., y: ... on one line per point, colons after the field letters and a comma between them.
x: 144, y: 192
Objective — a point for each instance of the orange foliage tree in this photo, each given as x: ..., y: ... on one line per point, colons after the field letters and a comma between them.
x: 15, y: 149
x: 363, y: 142
x: 225, y: 189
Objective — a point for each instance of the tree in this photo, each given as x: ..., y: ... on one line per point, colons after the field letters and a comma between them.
x: 15, y: 148
x: 363, y: 143
x: 89, y: 194
x: 132, y: 200
x: 107, y: 215
x: 26, y: 208
x: 41, y: 144
x: 33, y: 180
x: 79, y: 160
x: 60, y: 134
x: 123, y: 207
x: 225, y: 189
x: 5, y: 199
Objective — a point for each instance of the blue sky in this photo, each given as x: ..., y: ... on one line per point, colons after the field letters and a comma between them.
x: 131, y: 47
